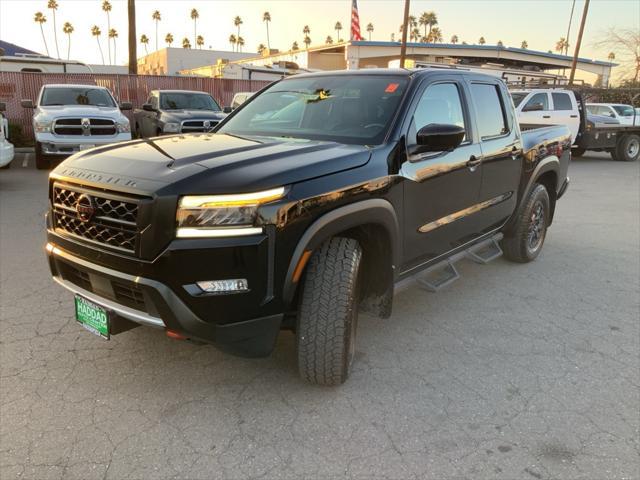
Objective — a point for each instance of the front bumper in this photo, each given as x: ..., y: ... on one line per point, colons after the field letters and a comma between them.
x: 70, y: 144
x: 153, y: 303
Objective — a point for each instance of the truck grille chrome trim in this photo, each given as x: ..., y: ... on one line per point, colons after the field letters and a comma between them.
x: 84, y: 127
x: 193, y: 126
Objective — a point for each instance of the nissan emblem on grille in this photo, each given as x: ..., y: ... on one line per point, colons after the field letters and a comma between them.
x: 85, y: 207
x: 86, y: 126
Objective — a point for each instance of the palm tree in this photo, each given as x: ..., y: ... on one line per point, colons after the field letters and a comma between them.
x: 454, y: 39
x: 295, y: 47
x: 370, y: 30
x: 156, y: 18
x: 500, y: 44
x: 68, y: 29
x: 611, y: 57
x: 200, y: 41
x: 328, y: 40
x: 240, y: 43
x: 106, y: 7
x: 393, y: 37
x: 144, y: 40
x: 113, y: 34
x: 435, y: 35
x: 40, y: 18
x: 194, y: 16
x: 561, y: 45
x: 413, y: 22
x: 95, y: 31
x: 168, y: 39
x: 428, y: 19
x: 261, y: 49
x: 186, y: 43
x: 524, y: 44
x: 307, y: 41
x: 266, y: 18
x: 482, y: 41
x: 415, y: 34
x: 306, y: 30
x: 53, y: 6
x: 233, y: 40
x: 337, y: 28
x: 237, y: 22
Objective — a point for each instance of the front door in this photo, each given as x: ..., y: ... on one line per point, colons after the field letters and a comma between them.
x: 442, y: 188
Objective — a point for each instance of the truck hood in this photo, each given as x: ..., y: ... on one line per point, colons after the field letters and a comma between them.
x: 80, y: 111
x: 209, y: 163
x: 193, y: 114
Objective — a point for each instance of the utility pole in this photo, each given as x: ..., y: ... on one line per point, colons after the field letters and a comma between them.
x: 403, y: 45
x: 578, y: 42
x: 133, y: 40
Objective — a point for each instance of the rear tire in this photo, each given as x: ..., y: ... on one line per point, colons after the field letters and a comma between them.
x: 328, y: 315
x: 628, y: 149
x: 525, y: 241
x: 42, y: 162
x: 577, y: 152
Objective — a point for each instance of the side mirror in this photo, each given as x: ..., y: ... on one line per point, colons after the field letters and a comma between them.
x: 227, y: 109
x: 147, y: 107
x: 3, y: 106
x: 438, y: 137
x: 534, y: 107
x: 126, y: 106
x: 27, y: 104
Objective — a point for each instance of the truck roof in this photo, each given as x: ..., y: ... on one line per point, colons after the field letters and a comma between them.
x: 73, y: 85
x: 182, y: 91
x: 405, y: 72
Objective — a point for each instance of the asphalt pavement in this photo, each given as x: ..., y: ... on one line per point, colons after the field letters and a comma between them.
x: 513, y: 372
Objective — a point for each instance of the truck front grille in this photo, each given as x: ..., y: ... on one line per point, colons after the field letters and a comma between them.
x: 191, y: 126
x: 112, y: 220
x: 84, y: 127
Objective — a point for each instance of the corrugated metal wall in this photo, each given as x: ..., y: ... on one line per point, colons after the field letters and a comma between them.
x: 15, y: 86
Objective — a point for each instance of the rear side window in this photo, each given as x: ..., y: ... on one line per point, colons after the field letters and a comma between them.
x: 490, y: 111
x: 561, y: 101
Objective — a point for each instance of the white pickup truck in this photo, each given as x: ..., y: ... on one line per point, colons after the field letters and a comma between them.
x: 548, y: 107
x: 70, y: 118
x: 6, y: 147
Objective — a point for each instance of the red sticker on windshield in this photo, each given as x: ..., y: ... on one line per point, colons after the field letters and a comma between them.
x: 392, y: 87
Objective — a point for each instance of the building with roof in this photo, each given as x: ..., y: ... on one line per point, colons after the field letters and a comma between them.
x: 365, y: 54
x: 170, y: 61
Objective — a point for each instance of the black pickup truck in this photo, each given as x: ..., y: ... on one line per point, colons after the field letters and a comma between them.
x: 177, y: 111
x: 307, y: 204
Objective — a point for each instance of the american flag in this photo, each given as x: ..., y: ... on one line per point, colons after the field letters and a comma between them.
x: 355, y: 21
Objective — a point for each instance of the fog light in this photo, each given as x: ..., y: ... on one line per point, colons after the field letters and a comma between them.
x: 224, y: 286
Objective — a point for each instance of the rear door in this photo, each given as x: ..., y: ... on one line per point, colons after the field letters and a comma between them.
x: 442, y: 188
x: 565, y: 112
x: 501, y: 147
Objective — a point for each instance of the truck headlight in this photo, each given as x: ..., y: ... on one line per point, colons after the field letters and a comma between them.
x: 171, y: 127
x: 222, y: 215
x: 43, y: 126
x: 123, y: 126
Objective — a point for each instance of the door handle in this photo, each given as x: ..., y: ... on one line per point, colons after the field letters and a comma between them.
x: 573, y: 116
x: 546, y: 116
x: 473, y: 162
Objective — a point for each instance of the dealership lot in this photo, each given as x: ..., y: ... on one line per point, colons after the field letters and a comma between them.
x: 515, y: 371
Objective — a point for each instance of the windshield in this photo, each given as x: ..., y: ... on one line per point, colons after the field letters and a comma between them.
x: 518, y: 97
x: 98, y: 97
x: 346, y: 108
x: 623, y: 110
x: 188, y: 101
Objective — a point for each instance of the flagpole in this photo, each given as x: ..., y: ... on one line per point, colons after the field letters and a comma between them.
x: 403, y: 45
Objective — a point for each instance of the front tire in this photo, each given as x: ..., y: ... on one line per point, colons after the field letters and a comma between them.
x: 42, y: 162
x: 328, y: 315
x: 524, y: 243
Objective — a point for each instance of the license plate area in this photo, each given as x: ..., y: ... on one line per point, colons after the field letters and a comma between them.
x: 92, y: 317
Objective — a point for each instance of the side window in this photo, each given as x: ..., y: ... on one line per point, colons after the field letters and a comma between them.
x: 440, y: 103
x: 538, y: 98
x: 490, y: 110
x: 561, y: 101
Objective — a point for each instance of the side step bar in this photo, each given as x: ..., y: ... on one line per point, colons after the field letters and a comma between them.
x: 444, y: 273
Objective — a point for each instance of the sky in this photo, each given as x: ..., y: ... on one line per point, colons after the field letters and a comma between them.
x: 540, y: 22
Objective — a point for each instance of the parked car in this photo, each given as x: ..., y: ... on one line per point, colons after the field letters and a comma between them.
x: 625, y: 114
x: 548, y: 107
x: 6, y: 147
x: 71, y: 118
x: 177, y: 111
x: 298, y: 223
x: 239, y: 98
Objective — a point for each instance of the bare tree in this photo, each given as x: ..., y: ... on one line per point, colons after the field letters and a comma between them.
x: 626, y: 43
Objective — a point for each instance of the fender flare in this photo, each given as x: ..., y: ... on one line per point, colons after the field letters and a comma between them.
x: 549, y: 164
x: 376, y: 211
